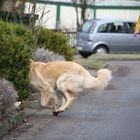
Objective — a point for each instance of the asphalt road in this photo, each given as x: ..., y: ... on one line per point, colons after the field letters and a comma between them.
x: 113, y: 114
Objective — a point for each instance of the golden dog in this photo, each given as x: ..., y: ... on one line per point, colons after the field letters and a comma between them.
x: 68, y: 77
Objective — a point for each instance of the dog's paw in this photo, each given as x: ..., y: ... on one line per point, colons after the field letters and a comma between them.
x: 55, y: 113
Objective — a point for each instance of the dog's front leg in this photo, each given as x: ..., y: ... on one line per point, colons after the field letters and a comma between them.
x: 53, y: 102
x: 46, y: 94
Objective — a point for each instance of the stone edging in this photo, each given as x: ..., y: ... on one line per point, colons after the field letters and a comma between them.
x: 8, y: 124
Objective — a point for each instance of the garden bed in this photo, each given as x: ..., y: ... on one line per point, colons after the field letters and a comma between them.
x: 7, y: 124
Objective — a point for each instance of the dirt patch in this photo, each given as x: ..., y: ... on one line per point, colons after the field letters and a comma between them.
x: 121, y: 71
x: 110, y: 87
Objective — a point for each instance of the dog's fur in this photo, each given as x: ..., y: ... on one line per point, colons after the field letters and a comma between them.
x: 68, y: 78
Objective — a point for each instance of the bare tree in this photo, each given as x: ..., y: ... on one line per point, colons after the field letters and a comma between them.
x: 17, y: 8
x: 81, y: 7
x: 14, y: 6
x: 42, y: 10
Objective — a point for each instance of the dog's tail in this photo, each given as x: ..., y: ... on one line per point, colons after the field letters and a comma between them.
x: 103, y: 78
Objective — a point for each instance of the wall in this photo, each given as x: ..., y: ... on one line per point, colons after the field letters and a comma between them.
x: 127, y: 14
x: 63, y: 15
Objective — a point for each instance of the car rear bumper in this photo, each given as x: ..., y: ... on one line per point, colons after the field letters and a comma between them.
x: 84, y: 47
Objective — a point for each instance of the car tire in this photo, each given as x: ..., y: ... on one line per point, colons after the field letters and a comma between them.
x: 101, y: 50
x: 85, y: 54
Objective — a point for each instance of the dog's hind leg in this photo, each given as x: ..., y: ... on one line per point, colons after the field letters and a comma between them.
x: 69, y: 96
x: 66, y: 85
x: 63, y: 100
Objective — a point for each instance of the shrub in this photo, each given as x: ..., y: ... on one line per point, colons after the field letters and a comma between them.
x: 8, y: 96
x: 44, y: 55
x: 15, y: 53
x: 56, y: 42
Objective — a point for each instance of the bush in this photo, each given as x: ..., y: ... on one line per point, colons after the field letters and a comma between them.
x: 8, y: 96
x: 56, y: 42
x: 15, y: 53
x: 44, y: 55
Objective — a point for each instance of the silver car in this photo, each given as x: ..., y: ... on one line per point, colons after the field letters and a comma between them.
x: 103, y: 36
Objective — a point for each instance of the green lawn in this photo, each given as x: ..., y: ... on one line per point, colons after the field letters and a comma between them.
x: 116, y: 57
x: 98, y: 61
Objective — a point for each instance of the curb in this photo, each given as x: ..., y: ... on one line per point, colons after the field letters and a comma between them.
x: 12, y: 122
x: 32, y: 104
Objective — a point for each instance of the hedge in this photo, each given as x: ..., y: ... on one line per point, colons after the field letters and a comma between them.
x: 56, y: 42
x: 16, y: 44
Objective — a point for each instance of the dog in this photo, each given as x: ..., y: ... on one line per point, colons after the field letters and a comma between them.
x: 67, y: 77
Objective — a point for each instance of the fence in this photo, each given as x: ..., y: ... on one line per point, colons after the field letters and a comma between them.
x: 71, y: 37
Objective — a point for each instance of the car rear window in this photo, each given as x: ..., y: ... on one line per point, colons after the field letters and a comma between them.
x: 87, y: 27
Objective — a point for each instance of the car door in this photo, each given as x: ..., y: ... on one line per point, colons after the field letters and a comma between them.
x: 117, y: 37
x: 114, y: 35
x: 133, y: 41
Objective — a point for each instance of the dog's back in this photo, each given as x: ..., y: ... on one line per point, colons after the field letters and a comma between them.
x: 51, y: 71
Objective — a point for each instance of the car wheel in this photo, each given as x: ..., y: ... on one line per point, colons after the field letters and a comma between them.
x: 84, y: 54
x: 101, y: 50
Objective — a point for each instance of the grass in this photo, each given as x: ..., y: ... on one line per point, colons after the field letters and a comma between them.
x: 89, y: 62
x: 116, y: 57
x: 98, y: 61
